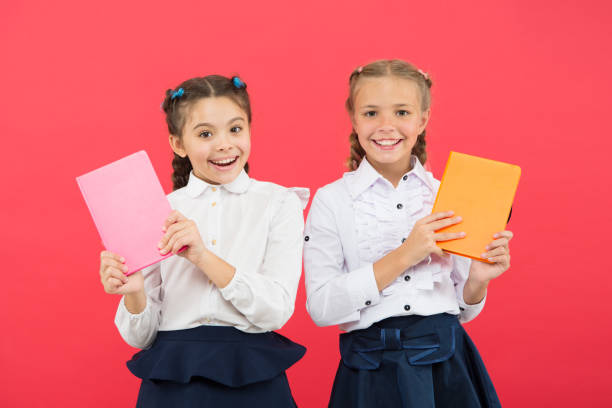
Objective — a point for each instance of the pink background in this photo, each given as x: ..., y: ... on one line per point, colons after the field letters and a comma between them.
x: 519, y: 81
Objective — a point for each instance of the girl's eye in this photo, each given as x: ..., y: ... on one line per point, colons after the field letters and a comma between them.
x: 205, y: 134
x: 236, y: 129
x: 370, y: 114
x: 403, y: 113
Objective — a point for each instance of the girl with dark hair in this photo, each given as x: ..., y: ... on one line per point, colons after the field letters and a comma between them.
x: 373, y: 267
x: 205, y: 319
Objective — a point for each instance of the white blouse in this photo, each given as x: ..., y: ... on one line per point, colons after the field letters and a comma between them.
x: 257, y: 227
x: 354, y: 222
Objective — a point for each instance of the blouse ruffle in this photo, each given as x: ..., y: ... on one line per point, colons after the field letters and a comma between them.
x: 381, y: 228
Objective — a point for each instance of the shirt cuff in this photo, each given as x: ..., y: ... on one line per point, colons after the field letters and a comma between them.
x: 469, y: 312
x: 362, y: 287
x: 229, y: 291
x: 124, y: 311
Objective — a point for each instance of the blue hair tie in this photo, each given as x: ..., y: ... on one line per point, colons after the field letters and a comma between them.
x: 238, y: 83
x: 177, y: 94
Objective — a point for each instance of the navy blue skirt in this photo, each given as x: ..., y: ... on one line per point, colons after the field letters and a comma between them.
x: 215, y: 366
x: 411, y: 361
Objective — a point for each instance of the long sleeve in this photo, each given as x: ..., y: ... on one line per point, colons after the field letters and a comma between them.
x: 139, y: 330
x: 265, y: 294
x: 459, y: 276
x: 334, y: 296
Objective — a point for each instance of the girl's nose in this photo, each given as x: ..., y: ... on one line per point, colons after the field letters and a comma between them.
x: 222, y: 147
x: 386, y: 123
x: 386, y: 128
x: 224, y: 143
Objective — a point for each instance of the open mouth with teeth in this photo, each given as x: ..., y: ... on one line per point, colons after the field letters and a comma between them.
x: 387, y: 143
x: 224, y: 163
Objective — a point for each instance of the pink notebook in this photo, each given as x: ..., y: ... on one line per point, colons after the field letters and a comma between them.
x: 129, y: 207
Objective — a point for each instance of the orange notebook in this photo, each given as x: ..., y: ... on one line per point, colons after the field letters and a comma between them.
x: 481, y: 191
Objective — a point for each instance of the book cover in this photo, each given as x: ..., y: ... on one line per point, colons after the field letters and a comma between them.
x: 128, y: 206
x: 481, y: 191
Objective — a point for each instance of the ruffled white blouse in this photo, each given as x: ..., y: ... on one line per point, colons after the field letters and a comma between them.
x: 354, y: 222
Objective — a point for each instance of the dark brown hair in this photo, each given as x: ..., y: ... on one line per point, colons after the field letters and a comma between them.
x: 379, y: 69
x: 193, y: 90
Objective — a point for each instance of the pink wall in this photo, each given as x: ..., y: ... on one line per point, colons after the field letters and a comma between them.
x: 518, y: 81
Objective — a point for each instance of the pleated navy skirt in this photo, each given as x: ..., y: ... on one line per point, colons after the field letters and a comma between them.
x: 411, y: 361
x: 215, y: 366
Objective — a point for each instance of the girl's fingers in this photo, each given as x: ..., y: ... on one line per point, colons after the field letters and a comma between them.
x: 497, y: 243
x: 174, y: 217
x: 110, y: 255
x: 180, y: 242
x: 172, y: 230
x: 113, y: 284
x: 175, y: 237
x: 504, y: 234
x: 111, y: 263
x: 499, y: 251
x: 435, y: 216
x: 168, y: 240
x: 502, y: 259
x: 116, y: 274
x: 438, y: 225
x: 447, y: 236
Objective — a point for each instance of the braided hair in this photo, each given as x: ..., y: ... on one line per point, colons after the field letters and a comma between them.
x: 382, y: 68
x: 177, y: 102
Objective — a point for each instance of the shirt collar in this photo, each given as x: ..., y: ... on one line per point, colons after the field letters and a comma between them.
x: 362, y: 178
x: 366, y: 175
x: 419, y: 171
x: 197, y: 186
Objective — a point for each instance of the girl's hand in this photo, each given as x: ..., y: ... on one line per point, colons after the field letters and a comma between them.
x: 181, y: 232
x: 112, y: 275
x: 421, y: 242
x: 498, y: 252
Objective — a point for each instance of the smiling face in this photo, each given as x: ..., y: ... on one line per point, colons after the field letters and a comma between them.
x: 388, y: 119
x: 216, y: 138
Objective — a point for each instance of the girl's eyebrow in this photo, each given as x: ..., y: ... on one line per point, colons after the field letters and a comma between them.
x: 397, y: 105
x: 234, y: 119
x: 212, y: 126
x: 203, y: 124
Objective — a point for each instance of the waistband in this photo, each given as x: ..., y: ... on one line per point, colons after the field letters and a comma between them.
x: 223, y: 354
x: 424, y: 339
